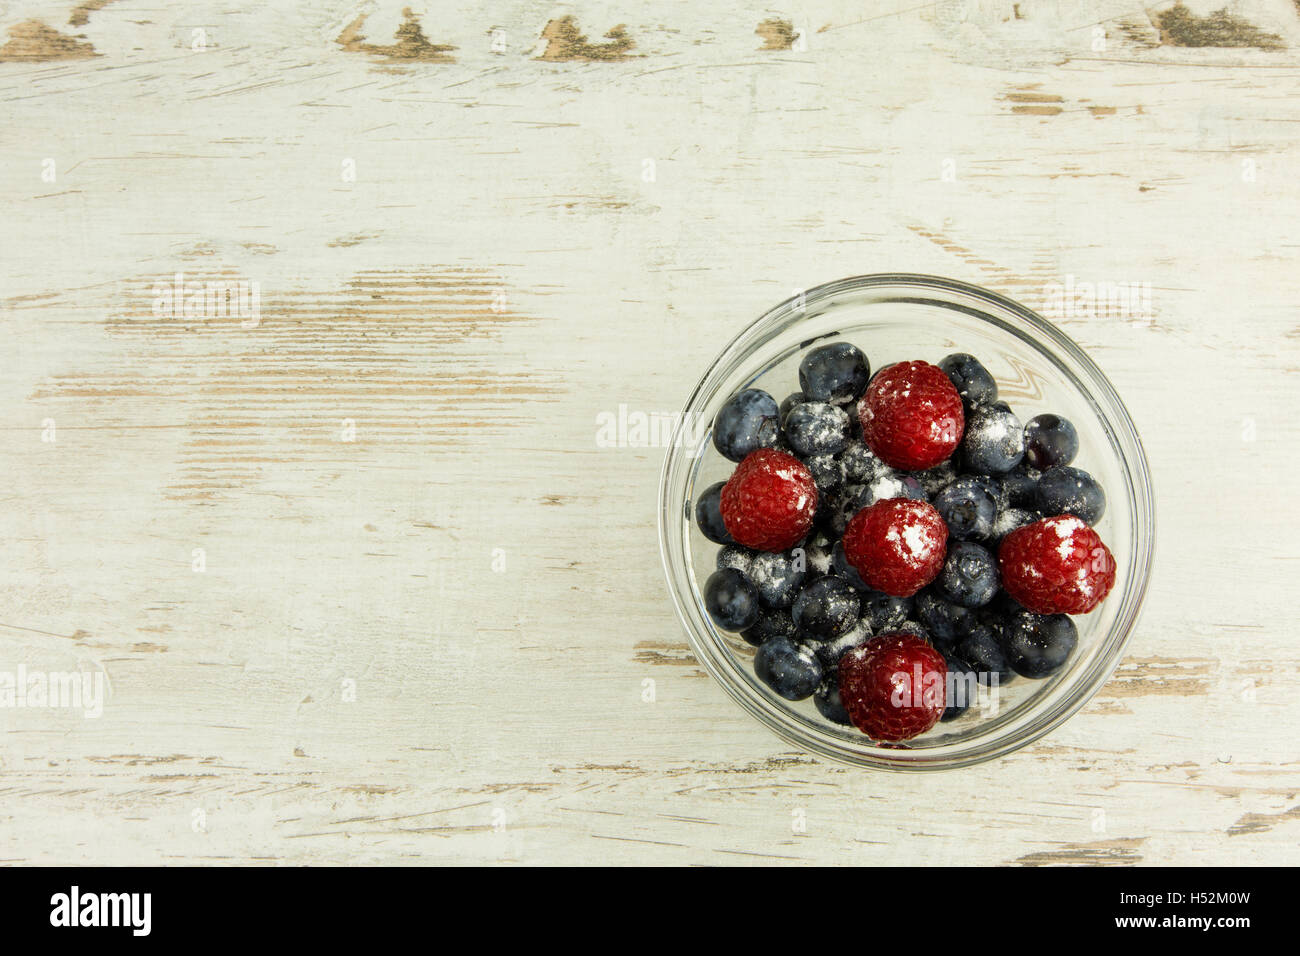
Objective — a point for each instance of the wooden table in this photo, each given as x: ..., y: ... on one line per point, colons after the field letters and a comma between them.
x: 364, y: 585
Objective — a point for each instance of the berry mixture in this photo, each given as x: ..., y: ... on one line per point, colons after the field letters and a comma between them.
x: 890, y: 542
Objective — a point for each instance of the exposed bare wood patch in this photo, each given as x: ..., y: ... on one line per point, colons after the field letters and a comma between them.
x: 566, y: 43
x: 1100, y: 111
x: 1032, y: 103
x: 656, y: 652
x: 1123, y: 852
x: 1262, y: 822
x: 776, y: 34
x: 1180, y: 27
x: 411, y: 43
x: 1181, y: 677
x: 33, y: 42
x: 355, y: 239
x: 321, y: 377
x: 82, y: 11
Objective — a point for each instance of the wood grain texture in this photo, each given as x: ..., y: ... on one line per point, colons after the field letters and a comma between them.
x: 474, y: 230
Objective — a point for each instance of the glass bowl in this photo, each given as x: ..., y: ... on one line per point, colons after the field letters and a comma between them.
x: 1038, y: 369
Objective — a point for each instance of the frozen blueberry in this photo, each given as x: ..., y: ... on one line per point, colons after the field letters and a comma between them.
x: 961, y: 687
x: 1008, y: 520
x: 846, y: 503
x: 735, y: 556
x: 1050, y: 440
x: 1018, y: 488
x: 971, y: 379
x: 983, y: 651
x: 789, y: 402
x: 778, y: 576
x: 884, y: 612
x: 830, y: 652
x: 840, y: 566
x: 709, y: 518
x: 994, y: 441
x: 817, y: 428
x: 816, y: 556
x: 946, y: 622
x: 835, y: 373
x: 825, y: 472
x: 826, y: 608
x: 770, y: 624
x: 1037, y: 645
x: 1065, y: 490
x: 747, y: 422
x: 731, y: 600
x: 859, y: 464
x: 893, y: 485
x: 937, y: 478
x: 828, y: 703
x: 790, y: 669
x: 969, y: 576
x: 967, y: 507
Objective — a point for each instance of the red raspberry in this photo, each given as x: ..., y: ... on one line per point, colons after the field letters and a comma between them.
x: 1056, y: 566
x: 911, y: 416
x: 768, y: 502
x: 894, y: 686
x: 897, y: 545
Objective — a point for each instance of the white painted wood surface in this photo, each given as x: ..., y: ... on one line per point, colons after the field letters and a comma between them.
x: 539, y: 229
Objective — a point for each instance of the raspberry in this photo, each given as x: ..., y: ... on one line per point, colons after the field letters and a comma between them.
x: 768, y: 502
x: 1056, y: 566
x: 897, y: 545
x: 893, y: 686
x: 911, y: 416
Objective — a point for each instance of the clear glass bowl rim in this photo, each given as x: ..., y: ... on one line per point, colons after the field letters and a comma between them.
x: 983, y: 304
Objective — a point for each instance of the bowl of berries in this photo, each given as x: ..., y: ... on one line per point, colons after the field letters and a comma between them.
x: 907, y: 523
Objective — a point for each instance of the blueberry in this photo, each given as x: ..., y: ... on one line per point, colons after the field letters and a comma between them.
x: 884, y: 612
x: 825, y: 473
x: 830, y: 652
x: 969, y: 576
x: 735, y: 556
x: 961, y: 687
x: 1064, y: 490
x: 912, y: 627
x: 817, y: 428
x: 770, y: 624
x: 1050, y: 440
x: 945, y: 621
x: 1018, y: 488
x: 840, y: 566
x: 828, y: 702
x: 789, y: 402
x: 778, y: 576
x: 983, y: 651
x: 967, y: 507
x: 789, y: 669
x: 1008, y: 520
x: 937, y: 478
x: 894, y: 485
x: 859, y: 464
x: 747, y: 422
x: 841, y: 509
x: 971, y: 379
x: 817, y: 555
x: 709, y: 518
x: 994, y: 441
x: 826, y: 608
x: 835, y: 373
x: 731, y: 600
x: 1037, y: 645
